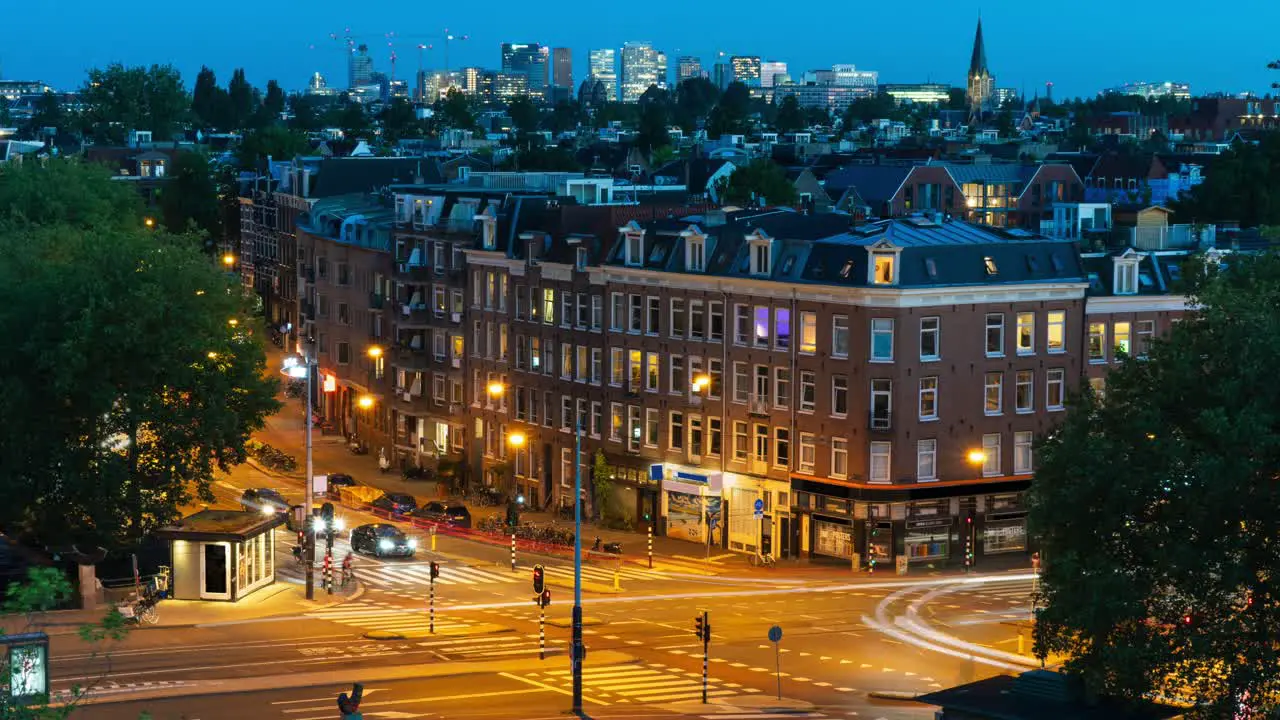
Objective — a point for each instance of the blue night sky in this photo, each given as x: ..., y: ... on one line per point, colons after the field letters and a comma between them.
x: 1081, y: 47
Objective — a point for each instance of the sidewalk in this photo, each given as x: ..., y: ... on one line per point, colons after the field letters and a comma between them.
x: 277, y: 599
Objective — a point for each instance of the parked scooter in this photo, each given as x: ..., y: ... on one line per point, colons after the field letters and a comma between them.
x: 384, y: 464
x: 612, y: 548
x: 357, y: 446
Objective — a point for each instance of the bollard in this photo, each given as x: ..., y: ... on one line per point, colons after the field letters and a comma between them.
x: 1022, y: 641
x: 433, y: 538
x: 542, y: 630
x: 650, y: 534
x: 617, y: 580
x: 513, y: 552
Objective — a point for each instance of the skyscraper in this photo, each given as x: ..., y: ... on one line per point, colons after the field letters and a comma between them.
x: 603, y: 66
x: 981, y: 83
x: 746, y: 69
x: 642, y: 68
x: 360, y: 68
x: 530, y: 60
x: 771, y: 70
x: 687, y: 68
x: 562, y: 68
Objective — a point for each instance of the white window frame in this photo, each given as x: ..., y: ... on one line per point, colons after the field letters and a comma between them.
x: 677, y: 327
x: 1025, y: 321
x: 1121, y: 339
x: 926, y: 460
x: 994, y: 324
x: 808, y: 457
x: 990, y: 381
x: 991, y: 454
x: 835, y: 390
x: 808, y: 379
x: 839, y: 328
x: 1056, y: 324
x: 1023, y: 459
x: 839, y: 458
x: 1024, y: 380
x: 928, y: 389
x: 1052, y: 377
x: 808, y: 333
x: 880, y: 327
x: 879, y: 462
x: 1097, y: 330
x: 931, y: 326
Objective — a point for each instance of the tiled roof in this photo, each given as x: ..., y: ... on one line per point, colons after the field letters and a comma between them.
x: 989, y: 173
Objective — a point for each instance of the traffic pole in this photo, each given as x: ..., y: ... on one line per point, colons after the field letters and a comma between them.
x: 542, y: 630
x: 328, y: 572
x: 706, y: 650
x: 513, y: 552
x: 650, y: 534
x: 431, y: 609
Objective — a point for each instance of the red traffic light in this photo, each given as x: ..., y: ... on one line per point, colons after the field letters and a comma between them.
x: 539, y: 582
x: 546, y: 597
x: 1186, y: 619
x: 435, y: 569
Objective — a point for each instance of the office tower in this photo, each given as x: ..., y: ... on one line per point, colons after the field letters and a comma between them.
x: 687, y: 68
x: 642, y: 68
x: 359, y: 68
x: 562, y: 67
x: 530, y: 60
x: 746, y: 69
x: 603, y: 66
x: 770, y: 72
x: 722, y: 74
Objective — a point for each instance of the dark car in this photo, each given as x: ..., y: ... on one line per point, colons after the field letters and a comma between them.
x: 264, y: 500
x: 452, y: 514
x: 382, y: 540
x: 337, y: 481
x: 397, y: 503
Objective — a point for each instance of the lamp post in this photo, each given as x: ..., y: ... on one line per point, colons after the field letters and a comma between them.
x: 517, y: 442
x: 576, y: 649
x: 701, y: 386
x: 228, y: 261
x: 365, y: 403
x: 306, y: 370
x: 977, y: 458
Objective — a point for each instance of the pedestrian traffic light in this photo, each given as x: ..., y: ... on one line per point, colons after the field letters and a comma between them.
x: 968, y: 540
x: 545, y: 597
x: 435, y: 569
x: 538, y: 581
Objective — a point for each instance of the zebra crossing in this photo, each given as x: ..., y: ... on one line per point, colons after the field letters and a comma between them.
x: 401, y: 575
x: 452, y: 644
x: 651, y: 683
x: 368, y: 616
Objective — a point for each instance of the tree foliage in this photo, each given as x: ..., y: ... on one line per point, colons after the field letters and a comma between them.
x: 655, y: 119
x: 694, y: 99
x: 523, y: 114
x: 1241, y: 184
x: 759, y: 181
x: 398, y: 121
x: 46, y: 113
x: 208, y: 101
x: 119, y: 99
x: 791, y: 117
x: 454, y: 110
x: 729, y: 116
x: 1158, y: 512
x: 274, y: 141
x: 130, y: 382
x: 189, y: 200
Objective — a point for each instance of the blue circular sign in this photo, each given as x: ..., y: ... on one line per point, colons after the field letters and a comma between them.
x: 775, y: 633
x: 759, y: 505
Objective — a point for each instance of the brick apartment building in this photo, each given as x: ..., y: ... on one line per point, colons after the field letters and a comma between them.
x: 877, y: 387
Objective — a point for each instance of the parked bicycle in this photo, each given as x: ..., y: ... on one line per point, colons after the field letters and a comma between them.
x: 762, y: 560
x: 140, y: 607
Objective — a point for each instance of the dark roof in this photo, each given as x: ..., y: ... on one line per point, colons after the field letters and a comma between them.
x: 1082, y: 163
x: 1113, y: 165
x: 1008, y: 698
x: 1159, y: 273
x: 875, y: 183
x: 212, y: 524
x: 343, y: 176
x: 699, y: 170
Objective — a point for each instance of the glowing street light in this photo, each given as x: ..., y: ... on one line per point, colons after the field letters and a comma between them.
x: 233, y: 322
x: 496, y: 389
x: 374, y: 351
x: 701, y: 383
x: 149, y: 222
x: 228, y: 259
x: 365, y: 401
x: 516, y: 439
x: 977, y: 457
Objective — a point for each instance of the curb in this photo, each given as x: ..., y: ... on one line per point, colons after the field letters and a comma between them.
x: 587, y: 586
x: 480, y: 629
x: 900, y: 695
x: 568, y: 622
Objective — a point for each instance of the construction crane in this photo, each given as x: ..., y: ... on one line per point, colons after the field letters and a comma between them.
x: 350, y: 46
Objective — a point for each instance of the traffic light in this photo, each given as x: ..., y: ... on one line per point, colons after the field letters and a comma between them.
x: 435, y: 569
x: 702, y: 627
x: 326, y: 514
x: 545, y: 597
x: 538, y: 581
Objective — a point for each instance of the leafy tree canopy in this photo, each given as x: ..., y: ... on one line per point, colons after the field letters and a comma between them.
x: 791, y: 117
x: 523, y: 114
x: 66, y: 192
x: 1241, y: 184
x: 274, y: 141
x: 189, y: 200
x: 119, y: 99
x: 760, y: 180
x: 454, y: 110
x: 1157, y: 509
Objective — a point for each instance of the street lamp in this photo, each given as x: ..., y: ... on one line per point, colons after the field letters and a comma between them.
x: 575, y: 651
x: 374, y: 351
x: 516, y: 441
x: 977, y: 457
x: 150, y: 222
x: 304, y: 368
x: 228, y: 260
x: 365, y: 402
x: 701, y: 383
x: 496, y: 389
x: 233, y: 322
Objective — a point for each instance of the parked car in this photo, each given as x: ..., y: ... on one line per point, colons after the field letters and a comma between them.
x: 292, y: 523
x: 264, y: 500
x: 453, y: 514
x: 382, y: 540
x: 398, y: 503
x: 337, y: 481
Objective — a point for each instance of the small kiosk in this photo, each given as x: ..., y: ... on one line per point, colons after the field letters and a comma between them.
x: 222, y: 554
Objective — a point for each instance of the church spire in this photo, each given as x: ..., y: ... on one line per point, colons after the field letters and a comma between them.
x: 978, y: 63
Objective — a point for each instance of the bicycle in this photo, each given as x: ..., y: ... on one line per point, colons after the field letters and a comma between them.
x: 762, y: 560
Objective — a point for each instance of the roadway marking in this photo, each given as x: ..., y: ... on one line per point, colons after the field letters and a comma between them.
x: 411, y: 701
x: 543, y: 686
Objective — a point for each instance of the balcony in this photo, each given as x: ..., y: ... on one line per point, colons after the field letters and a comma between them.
x: 414, y: 314
x: 879, y: 420
x: 758, y: 467
x: 413, y: 271
x: 309, y: 274
x: 455, y: 318
x: 758, y: 407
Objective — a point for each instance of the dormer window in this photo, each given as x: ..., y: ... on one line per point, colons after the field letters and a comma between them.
x: 695, y: 253
x: 760, y: 247
x: 1126, y: 278
x: 884, y: 268
x: 580, y: 258
x: 634, y: 249
x: 990, y: 264
x: 488, y: 230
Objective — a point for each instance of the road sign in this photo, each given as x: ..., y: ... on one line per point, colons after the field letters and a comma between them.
x: 759, y: 505
x: 775, y: 636
x: 775, y: 633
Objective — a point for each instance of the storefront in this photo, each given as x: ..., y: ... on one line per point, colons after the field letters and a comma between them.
x: 634, y: 494
x: 1005, y: 526
x: 691, y: 502
x: 927, y: 536
x: 222, y: 554
x: 774, y: 530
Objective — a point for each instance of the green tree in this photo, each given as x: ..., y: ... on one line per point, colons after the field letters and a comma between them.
x: 189, y: 200
x: 1241, y: 184
x: 523, y: 114
x: 655, y: 119
x: 791, y: 117
x: 565, y: 116
x: 47, y: 113
x: 119, y: 99
x: 47, y: 589
x: 729, y: 116
x: 242, y: 101
x: 1004, y: 123
x: 760, y: 180
x: 274, y: 141
x: 351, y: 118
x: 67, y: 192
x: 308, y: 113
x: 957, y: 99
x: 694, y: 99
x: 454, y: 110
x: 6, y: 116
x: 132, y: 394
x: 273, y: 103
x: 398, y: 121
x: 208, y: 101
x: 1157, y: 509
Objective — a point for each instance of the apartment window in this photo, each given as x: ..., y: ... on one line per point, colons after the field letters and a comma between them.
x: 1097, y: 342
x: 782, y: 387
x: 676, y: 375
x: 1023, y: 393
x: 580, y: 367
x: 548, y: 306
x: 715, y: 368
x: 490, y: 289
x: 991, y: 454
x: 879, y: 470
x: 1055, y: 388
x: 636, y: 315
x: 1121, y: 338
x: 808, y: 453
x: 522, y: 405
x: 1057, y: 331
x: 840, y: 336
x: 808, y: 333
x: 438, y: 347
x: 651, y: 427
x: 762, y: 384
x: 438, y: 299
x: 808, y: 390
x: 740, y: 441
x: 695, y: 436
x: 928, y: 398
x: 502, y: 341
x: 741, y: 324
x: 502, y: 293
x: 716, y: 432
x: 635, y: 363
x: 437, y: 388
x: 597, y: 363
x: 881, y: 340
x: 926, y: 460
x: 761, y: 433
x: 741, y: 387
x: 344, y: 353
x: 654, y: 315
x: 583, y: 311
x: 677, y: 318
x: 839, y: 396
x: 566, y: 309
x: 597, y: 312
x: 1126, y: 278
x: 782, y: 329
x: 477, y: 337
x: 881, y: 402
x: 635, y: 249
x: 566, y: 412
x: 697, y: 254
x: 651, y: 372
x: 1022, y: 442
x: 884, y: 269
x: 715, y: 310
x: 697, y: 321
x: 993, y: 394
x: 617, y: 311
x: 995, y: 335
x: 675, y: 432
x: 617, y: 370
x: 839, y: 458
x: 635, y: 428
x: 781, y: 447
x: 1026, y: 333
x: 1146, y: 333
x: 581, y: 258
x: 761, y: 325
x: 615, y: 421
x: 930, y: 338
x: 522, y: 302
x: 566, y: 361
x: 535, y: 354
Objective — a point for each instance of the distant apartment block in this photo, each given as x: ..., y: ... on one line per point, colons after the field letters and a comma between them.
x: 530, y: 60
x: 1181, y: 91
x: 746, y: 69
x: 603, y: 66
x: 772, y: 72
x: 687, y: 68
x: 562, y: 67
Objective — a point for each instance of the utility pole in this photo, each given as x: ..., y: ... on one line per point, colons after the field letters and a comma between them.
x: 309, y: 553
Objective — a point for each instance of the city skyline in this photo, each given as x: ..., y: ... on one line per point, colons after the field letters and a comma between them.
x: 939, y: 52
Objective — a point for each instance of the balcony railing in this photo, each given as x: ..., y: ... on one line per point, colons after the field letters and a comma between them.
x: 759, y: 406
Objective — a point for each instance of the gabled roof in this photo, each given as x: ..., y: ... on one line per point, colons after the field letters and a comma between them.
x: 875, y: 183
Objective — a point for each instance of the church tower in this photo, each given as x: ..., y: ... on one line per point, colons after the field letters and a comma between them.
x: 981, y: 84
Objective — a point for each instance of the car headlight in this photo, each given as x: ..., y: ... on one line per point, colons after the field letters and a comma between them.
x: 267, y: 509
x: 413, y: 543
x: 385, y: 544
x: 338, y: 524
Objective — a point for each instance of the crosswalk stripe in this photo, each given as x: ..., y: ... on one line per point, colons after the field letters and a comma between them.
x: 621, y: 687
x: 686, y: 696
